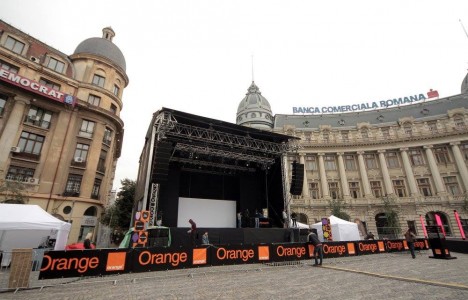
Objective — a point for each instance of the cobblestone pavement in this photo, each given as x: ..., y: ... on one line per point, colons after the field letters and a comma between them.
x: 388, y: 276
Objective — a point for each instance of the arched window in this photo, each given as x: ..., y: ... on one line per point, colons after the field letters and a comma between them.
x: 91, y: 211
x: 431, y: 220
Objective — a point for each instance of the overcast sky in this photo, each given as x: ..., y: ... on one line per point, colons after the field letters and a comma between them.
x: 195, y: 56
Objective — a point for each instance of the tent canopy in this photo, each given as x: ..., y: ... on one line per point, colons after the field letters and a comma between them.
x: 26, y: 226
x: 342, y: 230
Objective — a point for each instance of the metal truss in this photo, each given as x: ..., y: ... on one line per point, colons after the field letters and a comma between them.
x: 167, y: 125
x: 262, y: 160
x: 212, y: 164
x: 153, y: 204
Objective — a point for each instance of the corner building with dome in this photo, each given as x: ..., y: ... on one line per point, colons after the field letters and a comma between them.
x: 409, y: 159
x: 60, y: 128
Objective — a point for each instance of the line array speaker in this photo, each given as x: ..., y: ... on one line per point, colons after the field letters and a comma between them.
x: 297, y: 178
x: 161, y: 157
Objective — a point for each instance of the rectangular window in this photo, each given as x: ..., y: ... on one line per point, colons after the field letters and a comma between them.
x: 116, y: 90
x: 424, y: 187
x: 354, y: 190
x: 50, y: 84
x: 94, y: 100
x: 392, y: 160
x: 370, y: 161
x: 416, y: 157
x: 334, y: 190
x: 81, y: 152
x: 441, y: 155
x: 87, y: 129
x: 56, y: 65
x: 350, y: 162
x: 101, y: 167
x: 365, y: 134
x: 3, y: 100
x: 38, y: 117
x: 451, y: 184
x: 330, y: 163
x: 73, y: 185
x: 376, y: 188
x: 399, y: 188
x: 99, y: 80
x: 19, y: 173
x: 14, y: 45
x: 408, y: 130
x: 31, y: 143
x: 96, y: 188
x: 314, y: 190
x: 345, y: 136
x: 113, y: 109
x: 10, y: 68
x: 107, y: 139
x: 311, y: 163
x: 325, y: 136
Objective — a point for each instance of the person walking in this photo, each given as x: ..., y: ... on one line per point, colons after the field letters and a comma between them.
x: 293, y: 218
x: 318, y: 251
x: 193, y: 232
x: 410, y: 237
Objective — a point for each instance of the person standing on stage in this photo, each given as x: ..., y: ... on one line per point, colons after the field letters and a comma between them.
x: 410, y: 237
x: 239, y: 220
x: 257, y: 219
x: 318, y: 251
x: 193, y: 232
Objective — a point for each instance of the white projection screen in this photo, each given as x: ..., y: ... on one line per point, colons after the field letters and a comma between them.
x: 207, y: 213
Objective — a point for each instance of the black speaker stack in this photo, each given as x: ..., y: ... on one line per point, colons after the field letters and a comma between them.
x: 161, y: 157
x: 297, y: 178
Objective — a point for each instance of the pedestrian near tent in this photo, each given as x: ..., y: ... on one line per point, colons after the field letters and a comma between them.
x: 410, y: 237
x: 293, y: 218
x: 318, y: 251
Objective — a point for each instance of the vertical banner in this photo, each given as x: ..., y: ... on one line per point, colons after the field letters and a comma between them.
x: 326, y: 228
x: 439, y: 223
x: 457, y: 217
x: 140, y: 235
x: 423, y: 226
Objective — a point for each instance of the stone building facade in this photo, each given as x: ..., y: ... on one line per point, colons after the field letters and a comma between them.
x: 60, y: 127
x: 412, y: 157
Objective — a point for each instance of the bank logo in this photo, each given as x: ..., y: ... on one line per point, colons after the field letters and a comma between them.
x: 116, y: 261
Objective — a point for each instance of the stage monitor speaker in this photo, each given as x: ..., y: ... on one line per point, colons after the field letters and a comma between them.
x: 297, y: 179
x: 161, y: 157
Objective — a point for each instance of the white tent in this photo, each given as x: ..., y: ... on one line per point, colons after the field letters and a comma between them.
x: 341, y: 230
x: 29, y: 226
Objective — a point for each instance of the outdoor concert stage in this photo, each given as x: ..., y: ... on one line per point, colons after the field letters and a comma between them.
x: 208, y: 170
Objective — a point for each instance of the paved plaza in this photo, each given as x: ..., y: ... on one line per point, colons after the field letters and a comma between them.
x: 379, y: 276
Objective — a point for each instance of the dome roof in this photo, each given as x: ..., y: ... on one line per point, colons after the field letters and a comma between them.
x: 254, y: 110
x: 103, y: 47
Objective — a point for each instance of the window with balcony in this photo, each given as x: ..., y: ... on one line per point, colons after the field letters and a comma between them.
x: 354, y: 190
x: 31, y: 143
x: 50, y: 84
x: 38, y: 117
x: 424, y: 187
x: 99, y: 80
x: 311, y: 163
x: 3, y: 101
x: 107, y: 139
x: 14, y: 45
x: 116, y: 90
x: 81, y: 153
x: 314, y: 190
x: 376, y: 188
x: 399, y: 188
x: 94, y: 100
x: 334, y: 189
x: 22, y: 174
x: 73, y: 186
x: 96, y: 188
x: 441, y: 155
x: 451, y: 184
x: 56, y: 65
x: 350, y: 162
x: 87, y: 129
x: 330, y: 163
x: 392, y: 160
x: 370, y: 160
x: 416, y: 157
x: 10, y: 68
x: 101, y: 167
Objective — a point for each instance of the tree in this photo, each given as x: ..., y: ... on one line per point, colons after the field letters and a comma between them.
x: 337, y: 207
x: 13, y: 192
x: 119, y: 214
x: 392, y: 221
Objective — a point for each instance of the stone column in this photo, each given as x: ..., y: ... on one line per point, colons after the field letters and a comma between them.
x: 409, y: 172
x: 323, y: 177
x: 343, y: 178
x: 10, y: 132
x: 385, y: 174
x: 305, y: 185
x: 364, y: 177
x: 461, y: 165
x: 440, y: 187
